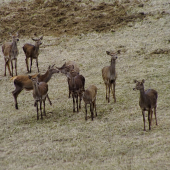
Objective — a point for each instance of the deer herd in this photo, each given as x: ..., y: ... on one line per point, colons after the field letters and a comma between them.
x: 76, y: 81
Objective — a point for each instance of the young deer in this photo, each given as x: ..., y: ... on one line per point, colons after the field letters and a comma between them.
x: 89, y: 97
x: 66, y: 67
x: 147, y: 101
x: 40, y: 90
x: 32, y: 52
x: 23, y: 82
x: 10, y: 52
x: 109, y: 76
x: 76, y: 87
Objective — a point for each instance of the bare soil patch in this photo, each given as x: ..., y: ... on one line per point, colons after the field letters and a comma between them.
x: 65, y: 17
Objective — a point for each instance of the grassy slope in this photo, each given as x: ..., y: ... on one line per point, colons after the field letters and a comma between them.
x: 115, y: 139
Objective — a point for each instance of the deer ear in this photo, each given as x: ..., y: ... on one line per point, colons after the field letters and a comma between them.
x: 143, y: 81
x: 107, y: 52
x: 135, y: 81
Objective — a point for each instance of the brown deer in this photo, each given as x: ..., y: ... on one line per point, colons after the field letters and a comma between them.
x: 40, y: 90
x: 32, y: 52
x: 67, y: 67
x: 10, y: 52
x: 76, y: 87
x: 147, y: 101
x: 109, y: 76
x: 23, y: 82
x: 89, y: 97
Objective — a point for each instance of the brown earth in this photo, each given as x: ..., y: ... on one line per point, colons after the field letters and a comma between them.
x: 69, y: 17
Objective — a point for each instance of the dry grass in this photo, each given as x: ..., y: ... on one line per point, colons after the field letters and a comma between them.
x: 115, y: 139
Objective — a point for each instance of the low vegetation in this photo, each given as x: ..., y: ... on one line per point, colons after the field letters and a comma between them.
x: 115, y: 139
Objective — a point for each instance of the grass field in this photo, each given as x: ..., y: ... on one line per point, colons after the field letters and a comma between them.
x: 115, y: 139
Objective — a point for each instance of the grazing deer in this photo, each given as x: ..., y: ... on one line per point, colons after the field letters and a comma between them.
x: 147, y: 101
x: 109, y: 76
x: 32, y: 52
x: 10, y: 52
x: 40, y: 90
x: 76, y: 87
x: 89, y: 97
x: 23, y: 82
x: 67, y: 67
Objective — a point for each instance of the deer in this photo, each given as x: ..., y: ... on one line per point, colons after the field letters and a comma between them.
x: 109, y: 76
x: 24, y: 82
x: 66, y: 67
x: 76, y: 87
x: 40, y: 94
x: 32, y: 52
x: 89, y: 97
x: 147, y: 101
x: 11, y: 52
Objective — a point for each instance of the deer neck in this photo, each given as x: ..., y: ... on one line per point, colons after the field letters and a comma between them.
x: 112, y: 70
x: 14, y: 50
x: 46, y: 77
x: 36, y: 49
x: 73, y: 82
x: 142, y: 95
x: 36, y: 89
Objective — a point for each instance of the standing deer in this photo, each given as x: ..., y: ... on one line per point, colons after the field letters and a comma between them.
x: 67, y: 67
x: 147, y: 101
x: 23, y: 82
x: 40, y: 90
x: 76, y: 87
x: 89, y: 97
x: 10, y: 52
x: 109, y: 76
x: 32, y: 52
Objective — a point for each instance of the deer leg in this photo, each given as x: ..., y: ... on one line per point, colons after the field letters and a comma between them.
x: 16, y: 67
x: 94, y: 106
x: 37, y: 110
x: 151, y: 113
x: 44, y: 107
x: 106, y: 91
x: 109, y: 94
x: 143, y: 113
x: 5, y: 67
x: 155, y: 115
x: 41, y: 108
x: 15, y: 93
x: 149, y: 118
x: 114, y: 84
x: 12, y: 67
x: 26, y: 61
x: 7, y: 63
x: 91, y: 110
x: 77, y: 103
x: 85, y: 111
x: 73, y: 103
x: 37, y: 65
x: 30, y: 64
x: 49, y: 100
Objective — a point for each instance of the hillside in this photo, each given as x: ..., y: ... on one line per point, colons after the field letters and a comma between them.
x: 83, y: 31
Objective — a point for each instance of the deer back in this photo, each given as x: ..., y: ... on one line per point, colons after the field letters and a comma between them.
x: 29, y: 50
x: 150, y: 100
x: 90, y: 94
